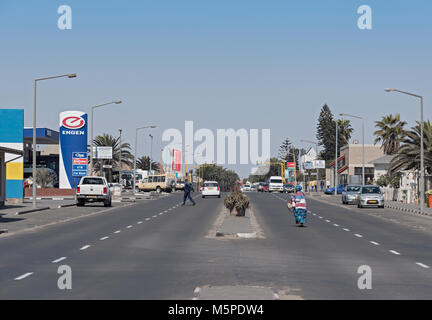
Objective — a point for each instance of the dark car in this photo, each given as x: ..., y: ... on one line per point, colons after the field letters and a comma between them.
x: 288, y: 188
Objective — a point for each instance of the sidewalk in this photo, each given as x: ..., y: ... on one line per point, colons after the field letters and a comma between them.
x: 45, y: 204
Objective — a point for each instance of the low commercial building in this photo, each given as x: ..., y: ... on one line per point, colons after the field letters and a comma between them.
x: 350, y: 163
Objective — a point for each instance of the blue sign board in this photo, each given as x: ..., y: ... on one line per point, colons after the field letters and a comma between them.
x: 79, y: 164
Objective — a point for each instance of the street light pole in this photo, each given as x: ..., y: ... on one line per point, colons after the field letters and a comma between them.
x: 91, y: 130
x: 70, y: 76
x: 363, y: 144
x: 422, y: 167
x: 135, y: 156
x: 120, y: 156
x: 336, y: 158
x: 151, y: 151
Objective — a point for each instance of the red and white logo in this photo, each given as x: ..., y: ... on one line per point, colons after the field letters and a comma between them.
x: 73, y: 122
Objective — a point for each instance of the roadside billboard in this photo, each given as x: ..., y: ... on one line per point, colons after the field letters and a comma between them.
x: 73, y: 142
x: 177, y: 159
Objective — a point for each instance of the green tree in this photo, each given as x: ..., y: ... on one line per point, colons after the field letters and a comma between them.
x: 143, y: 163
x: 408, y: 155
x: 326, y: 133
x: 226, y: 178
x: 390, y: 133
x: 45, y: 177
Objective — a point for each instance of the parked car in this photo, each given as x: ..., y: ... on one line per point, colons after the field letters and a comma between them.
x: 211, y: 188
x: 288, y: 188
x: 93, y: 189
x: 350, y: 194
x: 332, y: 190
x: 370, y: 196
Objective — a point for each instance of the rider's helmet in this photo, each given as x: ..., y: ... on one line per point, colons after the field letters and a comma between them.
x: 299, y: 188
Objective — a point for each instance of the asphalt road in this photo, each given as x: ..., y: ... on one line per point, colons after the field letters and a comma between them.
x: 153, y: 252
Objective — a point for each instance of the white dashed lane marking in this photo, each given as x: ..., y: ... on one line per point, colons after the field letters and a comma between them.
x: 85, y: 247
x: 358, y: 235
x: 59, y: 260
x: 148, y: 219
x: 128, y: 227
x: 104, y: 238
x: 139, y: 222
x: 375, y: 243
x: 118, y: 231
x: 23, y: 276
x: 394, y: 252
x: 422, y: 265
x: 346, y: 229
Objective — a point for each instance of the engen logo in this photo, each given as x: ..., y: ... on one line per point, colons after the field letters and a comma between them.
x: 73, y: 123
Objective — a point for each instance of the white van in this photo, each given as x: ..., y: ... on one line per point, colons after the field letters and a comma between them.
x: 276, y: 184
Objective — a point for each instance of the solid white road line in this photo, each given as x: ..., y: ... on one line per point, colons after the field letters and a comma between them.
x: 422, y: 265
x: 58, y: 260
x: 23, y: 276
x: 375, y: 243
x: 358, y: 235
x: 85, y: 247
x: 394, y: 252
x: 104, y: 238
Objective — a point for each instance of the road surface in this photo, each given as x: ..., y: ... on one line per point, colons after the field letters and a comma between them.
x: 159, y: 250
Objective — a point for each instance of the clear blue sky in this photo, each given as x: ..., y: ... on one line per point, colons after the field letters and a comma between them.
x: 225, y: 63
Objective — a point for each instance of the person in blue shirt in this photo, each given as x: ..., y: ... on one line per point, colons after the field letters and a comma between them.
x: 188, y: 188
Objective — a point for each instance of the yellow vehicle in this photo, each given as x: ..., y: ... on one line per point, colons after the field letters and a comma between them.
x: 158, y: 183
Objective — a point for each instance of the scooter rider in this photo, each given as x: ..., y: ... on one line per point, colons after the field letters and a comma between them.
x: 298, y: 203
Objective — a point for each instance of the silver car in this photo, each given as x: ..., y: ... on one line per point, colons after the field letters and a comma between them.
x: 371, y: 196
x: 350, y: 194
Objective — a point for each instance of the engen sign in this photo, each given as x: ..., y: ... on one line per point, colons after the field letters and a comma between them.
x: 73, y: 142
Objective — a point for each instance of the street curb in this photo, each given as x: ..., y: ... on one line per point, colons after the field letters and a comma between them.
x: 65, y: 205
x: 32, y: 210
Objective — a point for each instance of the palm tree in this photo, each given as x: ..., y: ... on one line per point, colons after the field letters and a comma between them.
x: 143, y: 163
x: 408, y: 155
x: 390, y: 132
x: 344, y: 132
x: 107, y: 140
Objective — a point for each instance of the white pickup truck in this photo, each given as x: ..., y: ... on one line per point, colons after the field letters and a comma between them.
x: 93, y: 189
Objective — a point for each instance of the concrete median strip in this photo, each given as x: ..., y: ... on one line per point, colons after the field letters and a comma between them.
x: 228, y: 226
